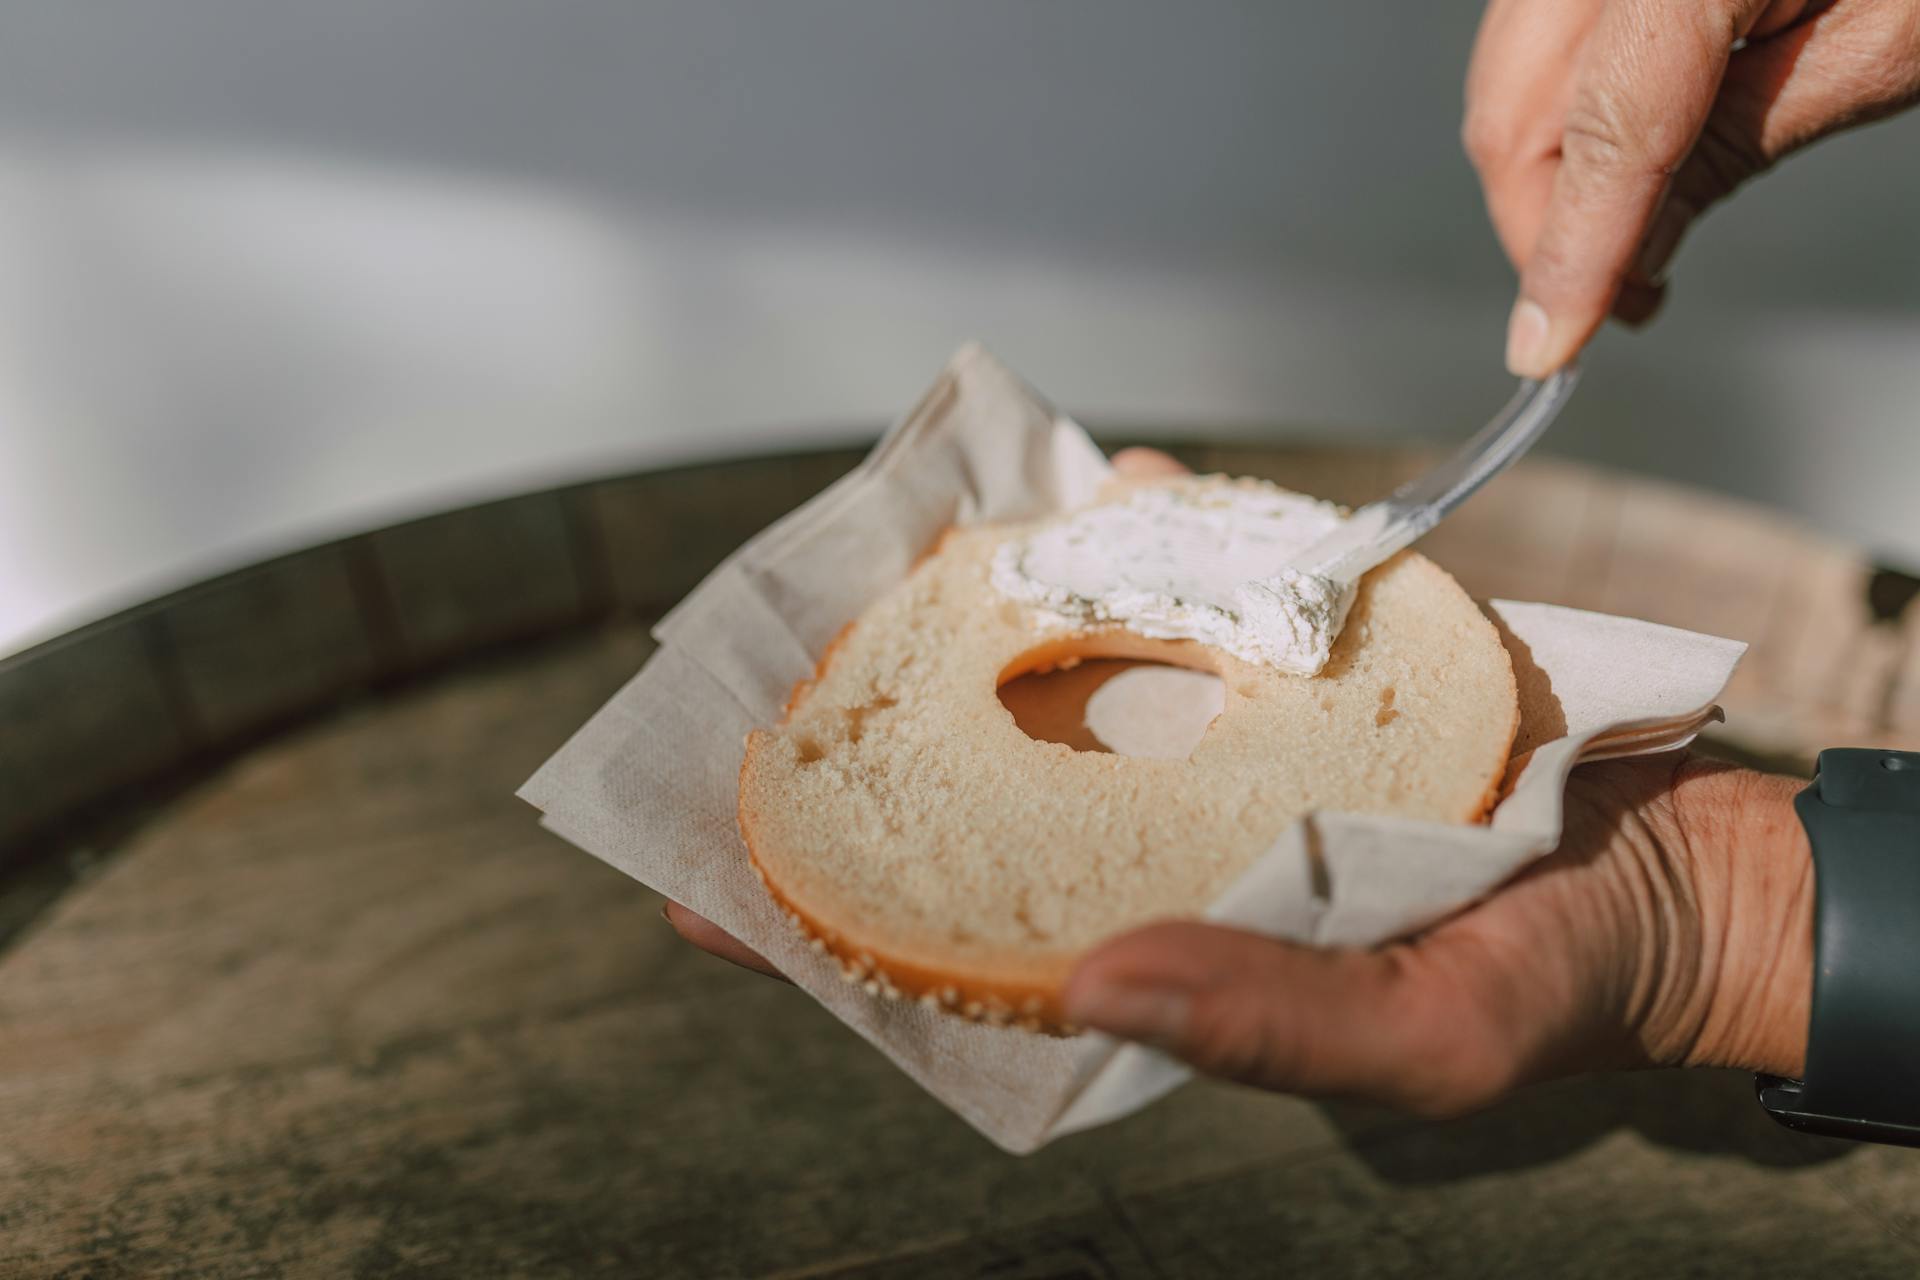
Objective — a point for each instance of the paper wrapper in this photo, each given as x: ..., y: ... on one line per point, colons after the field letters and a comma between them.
x: 650, y: 782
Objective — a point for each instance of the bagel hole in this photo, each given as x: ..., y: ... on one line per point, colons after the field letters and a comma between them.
x: 1118, y: 706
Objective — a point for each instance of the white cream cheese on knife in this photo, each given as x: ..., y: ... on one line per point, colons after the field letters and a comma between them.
x: 1213, y: 563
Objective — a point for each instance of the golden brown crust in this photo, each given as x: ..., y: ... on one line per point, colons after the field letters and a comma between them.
x: 1497, y: 786
x: 1033, y: 1005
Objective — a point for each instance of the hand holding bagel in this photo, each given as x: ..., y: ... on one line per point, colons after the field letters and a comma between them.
x: 1671, y: 927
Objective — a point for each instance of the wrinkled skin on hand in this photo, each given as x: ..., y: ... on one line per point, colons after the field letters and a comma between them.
x: 1671, y: 927
x: 1602, y: 129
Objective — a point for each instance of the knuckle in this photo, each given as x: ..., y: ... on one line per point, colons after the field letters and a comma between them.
x: 1592, y: 136
x: 1485, y: 138
x: 1604, y: 133
x: 1228, y: 1038
x: 1878, y: 60
x: 1449, y: 1052
x: 1461, y: 1055
x: 1727, y: 20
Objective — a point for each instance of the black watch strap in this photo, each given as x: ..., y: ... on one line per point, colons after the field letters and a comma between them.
x: 1862, y: 815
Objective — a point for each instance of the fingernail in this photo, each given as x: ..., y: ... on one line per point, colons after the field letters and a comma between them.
x: 1527, y: 340
x: 1150, y: 1015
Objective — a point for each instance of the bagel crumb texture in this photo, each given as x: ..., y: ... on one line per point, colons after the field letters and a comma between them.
x: 916, y: 833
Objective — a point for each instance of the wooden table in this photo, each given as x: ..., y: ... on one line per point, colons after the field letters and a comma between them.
x: 332, y: 1004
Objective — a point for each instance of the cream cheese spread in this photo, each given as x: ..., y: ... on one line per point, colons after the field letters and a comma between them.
x: 1216, y: 564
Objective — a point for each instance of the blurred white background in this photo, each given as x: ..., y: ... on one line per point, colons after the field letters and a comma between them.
x: 271, y: 273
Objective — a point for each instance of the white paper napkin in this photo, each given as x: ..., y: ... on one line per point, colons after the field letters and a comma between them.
x: 650, y: 782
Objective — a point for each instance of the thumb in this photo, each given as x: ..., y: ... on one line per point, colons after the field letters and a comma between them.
x: 1846, y: 66
x: 1387, y: 1026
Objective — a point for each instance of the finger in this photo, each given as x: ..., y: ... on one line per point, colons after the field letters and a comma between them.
x: 1518, y: 84
x: 1146, y: 464
x: 712, y: 939
x: 1639, y: 301
x: 1838, y: 68
x: 1643, y: 89
x: 1393, y: 1026
x: 1782, y: 14
x: 1517, y: 204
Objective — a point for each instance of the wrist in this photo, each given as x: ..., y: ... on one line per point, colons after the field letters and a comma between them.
x: 1753, y: 877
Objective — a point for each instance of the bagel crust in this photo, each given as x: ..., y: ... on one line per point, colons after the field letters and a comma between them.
x: 908, y: 827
